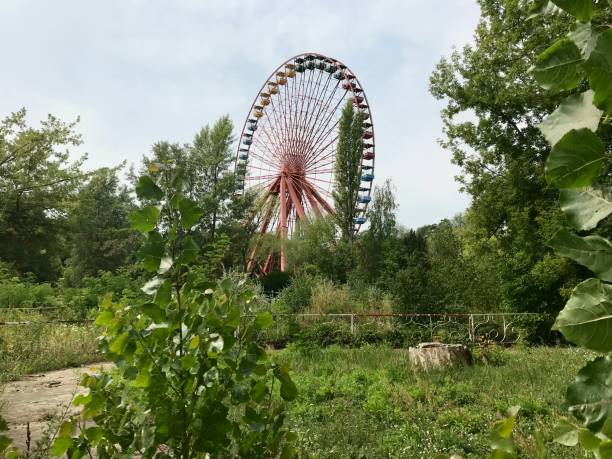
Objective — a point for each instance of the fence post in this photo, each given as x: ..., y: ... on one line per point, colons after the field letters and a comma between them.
x: 471, y: 328
x: 353, y: 324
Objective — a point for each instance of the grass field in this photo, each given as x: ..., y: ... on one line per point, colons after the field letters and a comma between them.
x: 369, y: 403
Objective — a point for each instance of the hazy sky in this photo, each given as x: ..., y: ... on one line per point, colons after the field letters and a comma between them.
x: 139, y: 71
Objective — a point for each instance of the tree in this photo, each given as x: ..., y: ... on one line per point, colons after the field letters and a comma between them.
x: 374, y: 244
x: 37, y: 186
x: 101, y: 238
x: 192, y: 380
x: 347, y: 175
x: 212, y: 181
x: 500, y: 150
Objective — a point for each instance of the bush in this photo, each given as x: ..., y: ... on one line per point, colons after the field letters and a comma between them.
x: 296, y: 297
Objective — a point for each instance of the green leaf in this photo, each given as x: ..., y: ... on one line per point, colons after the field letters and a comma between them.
x: 557, y: 67
x: 566, y: 433
x: 5, y: 442
x: 594, y: 252
x: 152, y: 252
x: 580, y: 9
x: 263, y: 320
x: 189, y: 251
x: 586, y: 319
x: 104, y: 318
x: 117, y: 345
x: 576, y: 160
x: 94, y: 434
x: 589, y: 397
x: 584, y: 208
x: 60, y: 446
x: 154, y: 312
x: 588, y: 440
x: 599, y: 71
x: 145, y: 219
x: 287, y: 390
x: 584, y: 38
x: 147, y: 189
x: 539, y: 7
x: 163, y: 296
x: 190, y: 213
x: 575, y: 112
x: 605, y: 449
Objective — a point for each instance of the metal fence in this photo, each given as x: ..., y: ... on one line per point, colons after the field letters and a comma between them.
x: 350, y: 328
x: 502, y: 328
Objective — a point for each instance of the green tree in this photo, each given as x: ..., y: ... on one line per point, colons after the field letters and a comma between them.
x: 376, y: 243
x: 493, y: 106
x: 212, y: 181
x: 191, y: 378
x: 37, y: 186
x: 101, y: 238
x: 347, y: 174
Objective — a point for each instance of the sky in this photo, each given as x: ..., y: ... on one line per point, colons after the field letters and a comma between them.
x: 140, y: 71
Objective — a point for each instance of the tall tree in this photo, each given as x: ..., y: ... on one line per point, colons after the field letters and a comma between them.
x: 377, y: 240
x: 210, y: 159
x: 37, y: 185
x: 101, y: 238
x: 348, y: 160
x: 493, y: 107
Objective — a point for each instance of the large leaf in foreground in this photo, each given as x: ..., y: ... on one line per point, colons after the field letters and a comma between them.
x: 145, y: 219
x: 589, y: 397
x: 575, y: 112
x: 594, y: 252
x: 586, y: 319
x: 557, y: 67
x: 599, y: 71
x: 584, y: 208
x: 576, y: 160
x: 580, y: 9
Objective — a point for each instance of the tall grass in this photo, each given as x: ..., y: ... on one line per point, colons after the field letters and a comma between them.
x: 368, y: 402
x: 36, y: 347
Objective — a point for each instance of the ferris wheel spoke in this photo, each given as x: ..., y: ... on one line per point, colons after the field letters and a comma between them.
x: 318, y: 92
x: 323, y: 120
x: 321, y: 151
x: 331, y: 114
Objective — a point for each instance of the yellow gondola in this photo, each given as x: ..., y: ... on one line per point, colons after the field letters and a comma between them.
x: 258, y: 114
x: 264, y: 101
x: 290, y: 73
x: 272, y: 87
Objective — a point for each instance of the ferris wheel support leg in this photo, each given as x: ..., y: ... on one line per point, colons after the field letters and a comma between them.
x: 319, y: 198
x: 283, y: 223
x: 262, y: 231
x: 294, y: 197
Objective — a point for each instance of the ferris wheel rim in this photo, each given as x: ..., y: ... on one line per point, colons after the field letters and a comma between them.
x: 365, y: 187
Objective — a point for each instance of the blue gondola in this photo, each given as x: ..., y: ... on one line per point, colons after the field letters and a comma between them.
x: 247, y: 141
x: 364, y: 199
x: 367, y: 177
x: 252, y: 126
x: 244, y: 156
x: 359, y: 220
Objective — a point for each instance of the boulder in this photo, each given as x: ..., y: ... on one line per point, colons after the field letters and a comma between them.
x: 428, y: 356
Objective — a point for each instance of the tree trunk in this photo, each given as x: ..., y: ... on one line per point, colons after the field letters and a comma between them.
x: 428, y: 356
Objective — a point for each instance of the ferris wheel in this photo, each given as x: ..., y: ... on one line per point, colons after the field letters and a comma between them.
x: 287, y: 149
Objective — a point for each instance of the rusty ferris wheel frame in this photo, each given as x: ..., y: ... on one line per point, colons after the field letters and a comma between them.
x: 287, y: 148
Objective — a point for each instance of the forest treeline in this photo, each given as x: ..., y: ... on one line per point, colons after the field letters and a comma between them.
x: 65, y: 234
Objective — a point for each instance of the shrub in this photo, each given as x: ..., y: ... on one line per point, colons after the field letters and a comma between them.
x: 191, y: 380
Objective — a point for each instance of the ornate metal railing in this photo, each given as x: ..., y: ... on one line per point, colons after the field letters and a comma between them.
x: 503, y: 328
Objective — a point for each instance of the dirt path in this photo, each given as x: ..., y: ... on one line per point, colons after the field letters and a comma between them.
x: 38, y: 399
